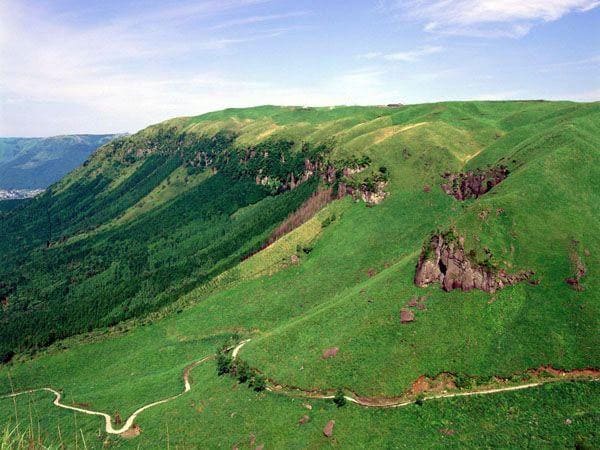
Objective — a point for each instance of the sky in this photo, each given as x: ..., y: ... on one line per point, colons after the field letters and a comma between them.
x: 102, y: 66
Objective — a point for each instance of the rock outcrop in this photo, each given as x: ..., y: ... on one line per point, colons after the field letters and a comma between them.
x: 443, y: 260
x: 473, y: 184
x: 304, y: 419
x: 406, y: 316
x: 370, y: 194
x: 330, y: 352
x: 328, y: 430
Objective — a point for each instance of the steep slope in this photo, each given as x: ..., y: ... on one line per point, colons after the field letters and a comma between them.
x: 339, y: 280
x: 36, y: 163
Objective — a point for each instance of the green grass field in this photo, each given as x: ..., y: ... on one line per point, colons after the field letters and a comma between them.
x: 347, y: 292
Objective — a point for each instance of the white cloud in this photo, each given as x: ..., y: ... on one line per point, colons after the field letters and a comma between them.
x: 370, y: 55
x: 361, y: 78
x: 413, y: 55
x: 492, y: 18
x: 116, y: 75
x: 258, y: 19
x: 404, y: 56
x: 574, y: 64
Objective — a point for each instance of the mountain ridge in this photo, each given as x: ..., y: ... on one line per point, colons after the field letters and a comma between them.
x: 35, y: 163
x: 161, y: 248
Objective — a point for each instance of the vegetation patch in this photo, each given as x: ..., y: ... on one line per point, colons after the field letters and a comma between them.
x: 239, y: 369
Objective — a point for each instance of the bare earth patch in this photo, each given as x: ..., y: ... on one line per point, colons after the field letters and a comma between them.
x: 132, y: 432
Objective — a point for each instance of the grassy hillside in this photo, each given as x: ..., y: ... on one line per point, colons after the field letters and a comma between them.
x: 36, y: 163
x: 163, y: 221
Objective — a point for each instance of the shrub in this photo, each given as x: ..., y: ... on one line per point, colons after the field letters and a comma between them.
x: 462, y: 381
x: 339, y: 399
x: 242, y: 371
x: 258, y: 382
x: 328, y: 220
x: 6, y: 357
x: 420, y: 399
x: 224, y: 363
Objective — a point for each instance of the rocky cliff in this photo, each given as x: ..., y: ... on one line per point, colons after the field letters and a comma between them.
x: 443, y: 260
x: 473, y: 184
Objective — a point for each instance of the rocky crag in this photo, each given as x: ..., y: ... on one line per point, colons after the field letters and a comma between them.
x: 473, y: 184
x: 443, y: 260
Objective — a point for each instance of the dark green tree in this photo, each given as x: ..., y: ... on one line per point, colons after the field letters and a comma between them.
x: 339, y: 399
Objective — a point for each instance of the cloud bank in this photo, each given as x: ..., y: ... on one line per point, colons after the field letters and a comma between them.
x: 487, y: 18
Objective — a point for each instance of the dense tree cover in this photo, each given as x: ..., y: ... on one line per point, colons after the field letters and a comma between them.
x: 8, y: 205
x: 57, y: 281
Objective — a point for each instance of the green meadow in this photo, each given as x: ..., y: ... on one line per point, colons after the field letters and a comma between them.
x: 157, y: 252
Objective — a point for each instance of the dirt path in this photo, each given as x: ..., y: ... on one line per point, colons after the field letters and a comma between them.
x: 395, y: 402
x: 107, y: 418
x: 392, y: 403
x: 129, y: 422
x: 366, y: 402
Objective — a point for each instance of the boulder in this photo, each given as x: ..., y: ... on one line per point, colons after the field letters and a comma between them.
x: 407, y: 316
x: 330, y: 352
x: 304, y: 419
x: 328, y: 430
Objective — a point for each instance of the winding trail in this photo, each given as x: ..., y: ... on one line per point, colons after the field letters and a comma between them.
x: 362, y: 401
x: 396, y: 402
x: 107, y: 418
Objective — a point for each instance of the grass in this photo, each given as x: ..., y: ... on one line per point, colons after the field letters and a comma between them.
x: 219, y: 413
x: 348, y: 291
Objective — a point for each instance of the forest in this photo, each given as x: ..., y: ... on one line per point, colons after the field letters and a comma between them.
x: 71, y: 266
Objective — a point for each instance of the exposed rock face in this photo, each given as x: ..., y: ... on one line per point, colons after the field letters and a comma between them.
x: 443, y: 260
x: 374, y: 197
x: 467, y: 185
x: 371, y: 195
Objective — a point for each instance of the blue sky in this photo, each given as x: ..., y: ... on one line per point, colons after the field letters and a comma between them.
x: 72, y: 66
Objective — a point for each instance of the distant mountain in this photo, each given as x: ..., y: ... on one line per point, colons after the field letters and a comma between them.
x: 36, y: 163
